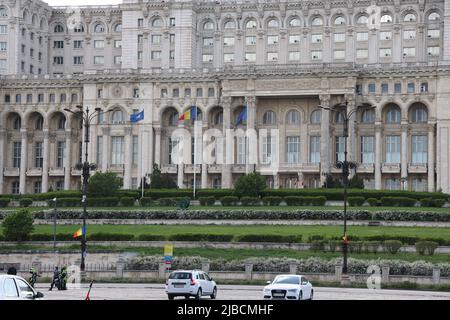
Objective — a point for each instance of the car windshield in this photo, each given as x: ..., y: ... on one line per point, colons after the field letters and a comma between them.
x: 180, y: 276
x: 287, y: 280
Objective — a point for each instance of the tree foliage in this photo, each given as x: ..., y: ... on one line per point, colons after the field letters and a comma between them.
x: 18, y: 226
x: 103, y: 184
x: 251, y: 185
x: 160, y: 180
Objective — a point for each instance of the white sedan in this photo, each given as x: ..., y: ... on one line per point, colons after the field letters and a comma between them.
x: 17, y: 288
x: 289, y: 287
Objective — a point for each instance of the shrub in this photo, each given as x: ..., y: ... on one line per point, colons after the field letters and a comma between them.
x: 334, y: 245
x: 207, y: 201
x: 110, y: 237
x: 172, y: 202
x: 4, y: 202
x: 426, y: 247
x: 146, y: 202
x: 355, y: 246
x: 439, y: 203
x: 161, y: 180
x: 268, y: 238
x: 49, y: 237
x: 66, y: 202
x: 392, y: 246
x: 103, y: 202
x: 249, y: 201
x: 428, y: 202
x: 18, y: 225
x: 168, y: 193
x: 150, y: 237
x: 318, y: 245
x: 229, y: 201
x: 251, y: 185
x: 397, y: 202
x: 293, y: 200
x: 371, y: 246
x: 104, y: 184
x: 25, y: 202
x: 272, y: 201
x: 318, y: 201
x: 127, y: 201
x: 356, y: 182
x: 201, y: 237
x: 356, y: 201
x: 373, y: 202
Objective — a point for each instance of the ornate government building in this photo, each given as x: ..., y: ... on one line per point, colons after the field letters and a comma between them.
x: 280, y: 59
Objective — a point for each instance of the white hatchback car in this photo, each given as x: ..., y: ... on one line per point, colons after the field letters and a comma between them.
x: 190, y: 283
x: 16, y: 288
x: 289, y: 287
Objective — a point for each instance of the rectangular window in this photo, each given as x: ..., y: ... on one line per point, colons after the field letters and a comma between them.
x: 135, y: 150
x: 117, y: 151
x: 29, y: 98
x: 156, y: 55
x: 117, y: 44
x: 140, y: 53
x: 409, y: 34
x: 2, y: 64
x: 241, y: 150
x: 272, y: 56
x: 38, y: 186
x: 140, y: 39
x: 393, y: 184
x: 433, y: 51
x: 228, y: 41
x: 294, y: 39
x: 340, y: 149
x: 339, y: 37
x: 339, y: 54
x: 272, y: 40
x: 316, y: 55
x: 250, y: 40
x: 58, y: 44
x: 78, y: 44
x: 362, y: 54
x: 78, y: 60
x: 368, y: 150
x: 99, y: 60
x: 371, y: 88
x: 3, y: 46
x: 268, y: 150
x: 99, y: 154
x: 17, y: 152
x: 173, y: 148
x: 316, y: 38
x: 293, y: 150
x: 172, y: 22
x: 398, y: 88
x: 156, y: 39
x: 61, y: 146
x: 314, y: 149
x: 392, y: 149
x: 385, y: 35
x: 419, y: 184
x: 199, y: 92
x: 15, y: 187
x: 207, y: 58
x: 228, y: 57
x: 294, y: 56
x: 411, y: 87
x: 3, y: 29
x: 419, y: 148
x: 172, y: 38
x: 362, y: 36
x: 140, y: 23
x: 434, y: 33
x: 117, y: 59
x: 99, y: 44
x: 409, y: 52
x: 384, y: 88
x: 58, y: 60
x: 208, y: 42
x: 250, y: 56
x: 172, y: 54
x: 38, y: 155
x: 386, y: 52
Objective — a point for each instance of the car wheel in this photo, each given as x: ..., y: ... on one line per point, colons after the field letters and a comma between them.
x: 300, y: 296
x: 214, y: 294
x: 199, y: 294
x: 312, y: 295
x: 170, y: 296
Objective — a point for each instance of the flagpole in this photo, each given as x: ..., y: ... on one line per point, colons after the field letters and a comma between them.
x: 195, y: 150
x: 142, y: 166
x: 247, y: 156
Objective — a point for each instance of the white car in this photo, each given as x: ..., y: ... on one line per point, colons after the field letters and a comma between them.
x: 289, y: 287
x: 190, y: 283
x: 16, y: 288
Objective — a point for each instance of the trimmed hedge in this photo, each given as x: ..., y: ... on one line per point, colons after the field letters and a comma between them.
x: 171, y: 202
x: 103, y: 202
x: 229, y: 201
x: 201, y: 237
x: 268, y: 238
x: 127, y: 201
x: 356, y: 201
x: 4, y: 202
x: 147, y: 202
x: 426, y: 247
x: 250, y: 201
x: 392, y: 246
x: 272, y: 201
x: 207, y: 201
x: 156, y: 194
x: 398, y: 202
x: 373, y: 202
x: 110, y: 237
x: 25, y: 202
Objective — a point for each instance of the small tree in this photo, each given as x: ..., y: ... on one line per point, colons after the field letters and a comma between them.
x: 104, y: 184
x: 331, y: 183
x: 18, y: 226
x: 160, y: 180
x: 356, y: 182
x: 251, y: 185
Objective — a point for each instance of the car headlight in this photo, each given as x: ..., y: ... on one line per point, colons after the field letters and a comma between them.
x: 292, y: 291
x: 266, y: 290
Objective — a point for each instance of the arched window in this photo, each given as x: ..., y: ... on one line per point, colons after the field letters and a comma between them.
x: 118, y: 27
x: 419, y: 114
x: 34, y: 20
x: 386, y: 18
x: 99, y: 28
x: 157, y: 23
x: 362, y: 20
x: 339, y: 21
x: 269, y: 118
x: 173, y: 118
x: 393, y: 115
x: 251, y: 24
x: 273, y: 23
x: 434, y: 16
x: 61, y: 123
x: 316, y: 117
x: 17, y: 123
x: 3, y: 12
x: 339, y: 117
x: 117, y: 117
x: 58, y: 28
x: 293, y: 117
x: 368, y: 116
x: 317, y: 21
x: 78, y: 28
x: 208, y: 25
x: 230, y: 25
x: 39, y: 123
x: 218, y: 118
x: 295, y: 22
x: 410, y: 17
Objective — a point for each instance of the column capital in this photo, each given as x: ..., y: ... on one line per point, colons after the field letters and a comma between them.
x: 431, y: 127
x: 128, y: 130
x: 251, y: 100
x: 106, y: 130
x: 324, y: 100
x: 158, y: 130
x: 226, y: 101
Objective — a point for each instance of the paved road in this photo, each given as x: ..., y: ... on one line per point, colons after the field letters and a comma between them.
x: 230, y: 292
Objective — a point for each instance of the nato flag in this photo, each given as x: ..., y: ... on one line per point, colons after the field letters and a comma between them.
x: 242, y: 116
x: 137, y: 117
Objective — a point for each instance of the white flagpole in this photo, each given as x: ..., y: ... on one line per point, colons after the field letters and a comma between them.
x: 246, y: 139
x: 195, y: 150
x: 142, y: 166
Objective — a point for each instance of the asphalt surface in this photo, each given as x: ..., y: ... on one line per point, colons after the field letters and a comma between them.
x: 102, y: 291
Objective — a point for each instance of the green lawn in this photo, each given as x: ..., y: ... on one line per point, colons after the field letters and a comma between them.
x: 305, y: 231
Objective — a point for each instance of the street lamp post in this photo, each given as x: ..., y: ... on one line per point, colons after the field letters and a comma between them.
x: 86, y: 168
x: 345, y: 166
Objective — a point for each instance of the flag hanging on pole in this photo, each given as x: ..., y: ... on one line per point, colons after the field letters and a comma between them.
x: 79, y: 233
x: 137, y: 117
x: 188, y: 115
x: 242, y: 118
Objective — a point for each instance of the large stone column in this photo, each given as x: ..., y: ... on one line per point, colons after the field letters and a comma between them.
x: 150, y: 143
x: 2, y: 158
x: 352, y: 140
x: 180, y: 176
x: 23, y: 161
x: 105, y: 152
x: 431, y: 158
x: 404, y: 154
x: 251, y: 124
x: 128, y: 158
x: 324, y: 138
x: 228, y: 161
x: 68, y: 159
x: 158, y: 146
x: 378, y: 156
x: 204, y: 176
x: 45, y: 162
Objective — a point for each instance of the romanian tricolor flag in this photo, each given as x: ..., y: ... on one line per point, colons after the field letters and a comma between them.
x: 80, y: 232
x: 188, y: 115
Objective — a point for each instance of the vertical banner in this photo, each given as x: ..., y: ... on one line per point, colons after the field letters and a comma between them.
x: 168, y: 256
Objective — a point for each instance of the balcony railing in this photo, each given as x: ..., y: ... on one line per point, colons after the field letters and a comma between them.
x: 238, y: 168
x: 77, y: 172
x: 34, y: 172
x: 11, y: 172
x: 214, y: 168
x: 189, y: 168
x: 417, y: 168
x: 56, y: 172
x: 169, y: 168
x: 310, y: 167
x: 390, y: 168
x: 365, y: 168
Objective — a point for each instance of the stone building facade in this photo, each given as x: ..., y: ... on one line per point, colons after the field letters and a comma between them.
x: 280, y: 59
